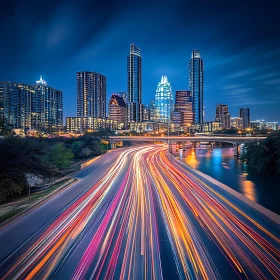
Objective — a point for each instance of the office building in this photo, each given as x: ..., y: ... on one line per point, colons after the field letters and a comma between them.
x: 91, y: 95
x: 164, y: 100
x: 31, y: 106
x: 196, y: 68
x: 89, y: 124
x: 152, y: 111
x: 146, y: 113
x: 223, y: 115
x: 244, y: 113
x: 134, y: 84
x: 184, y: 104
x: 118, y: 110
x: 236, y: 123
x: 122, y: 94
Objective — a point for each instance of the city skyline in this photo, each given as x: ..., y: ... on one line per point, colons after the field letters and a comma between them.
x: 241, y: 70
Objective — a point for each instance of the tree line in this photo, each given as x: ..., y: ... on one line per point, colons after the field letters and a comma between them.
x: 40, y: 157
x: 263, y: 157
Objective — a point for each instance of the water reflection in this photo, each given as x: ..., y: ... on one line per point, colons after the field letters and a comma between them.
x: 221, y: 164
x: 248, y: 189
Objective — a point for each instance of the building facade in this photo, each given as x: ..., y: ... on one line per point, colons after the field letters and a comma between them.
x: 223, y: 116
x: 244, y: 113
x: 236, y: 122
x: 118, y: 110
x: 91, y: 95
x: 122, y: 94
x: 207, y: 127
x: 134, y: 84
x: 31, y: 106
x: 271, y: 125
x: 261, y: 124
x: 164, y: 100
x: 196, y: 86
x: 152, y: 111
x: 89, y: 124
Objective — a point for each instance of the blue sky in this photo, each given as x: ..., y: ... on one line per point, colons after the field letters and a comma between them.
x: 238, y: 41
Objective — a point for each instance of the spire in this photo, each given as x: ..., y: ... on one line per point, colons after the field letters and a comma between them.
x: 41, y: 81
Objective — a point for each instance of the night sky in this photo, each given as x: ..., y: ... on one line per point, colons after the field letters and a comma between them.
x: 238, y: 41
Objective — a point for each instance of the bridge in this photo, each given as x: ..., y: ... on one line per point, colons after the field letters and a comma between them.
x: 236, y: 141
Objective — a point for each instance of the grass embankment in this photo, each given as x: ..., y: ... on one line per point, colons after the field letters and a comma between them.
x: 9, y: 210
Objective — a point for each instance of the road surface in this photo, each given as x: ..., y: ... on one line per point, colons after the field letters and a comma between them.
x: 141, y: 214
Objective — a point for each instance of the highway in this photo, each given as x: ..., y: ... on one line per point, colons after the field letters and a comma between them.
x: 139, y: 213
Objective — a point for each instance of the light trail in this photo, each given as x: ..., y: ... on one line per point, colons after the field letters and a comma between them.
x: 112, y: 230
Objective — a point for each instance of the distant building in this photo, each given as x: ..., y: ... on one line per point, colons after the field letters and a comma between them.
x: 146, y: 113
x: 164, y: 100
x: 35, y: 106
x: 236, y: 122
x: 261, y: 124
x: 134, y: 84
x: 118, y: 110
x: 152, y: 111
x: 207, y: 127
x: 271, y: 125
x: 244, y: 113
x: 184, y: 105
x: 89, y: 124
x: 91, y: 95
x: 196, y: 86
x: 223, y: 115
x: 176, y: 119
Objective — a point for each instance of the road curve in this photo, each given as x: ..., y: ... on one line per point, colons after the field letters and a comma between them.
x: 140, y: 214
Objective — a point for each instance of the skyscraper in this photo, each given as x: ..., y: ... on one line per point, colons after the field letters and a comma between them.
x: 118, y: 110
x: 164, y: 100
x: 91, y: 95
x: 134, y: 84
x: 244, y: 113
x: 196, y: 86
x: 223, y: 115
x: 122, y: 94
x: 31, y: 106
x: 184, y: 105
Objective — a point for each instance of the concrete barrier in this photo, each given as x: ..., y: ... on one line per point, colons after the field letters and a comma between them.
x: 89, y: 162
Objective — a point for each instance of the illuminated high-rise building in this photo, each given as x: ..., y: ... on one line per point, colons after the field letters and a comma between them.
x: 91, y: 95
x: 244, y: 113
x: 134, y: 84
x: 118, y: 110
x: 32, y: 106
x: 223, y: 116
x: 196, y: 68
x: 236, y: 122
x: 164, y: 100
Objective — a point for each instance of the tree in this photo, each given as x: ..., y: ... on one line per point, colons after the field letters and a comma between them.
x: 77, y: 148
x: 19, y: 157
x: 59, y: 156
x: 5, y: 128
x: 263, y: 157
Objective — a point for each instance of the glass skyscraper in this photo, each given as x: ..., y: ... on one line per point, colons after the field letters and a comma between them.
x: 163, y: 100
x: 91, y: 95
x: 244, y: 113
x: 196, y: 86
x: 134, y: 84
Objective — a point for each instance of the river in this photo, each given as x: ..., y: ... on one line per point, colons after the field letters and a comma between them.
x: 221, y: 164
